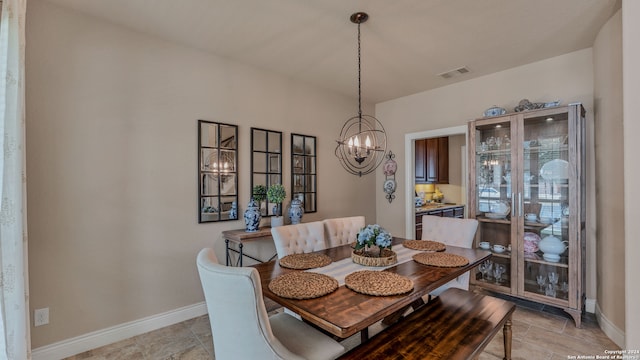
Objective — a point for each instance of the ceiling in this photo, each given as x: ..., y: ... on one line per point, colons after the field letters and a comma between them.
x: 405, y: 43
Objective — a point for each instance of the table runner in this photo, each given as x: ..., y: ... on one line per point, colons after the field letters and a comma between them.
x: 341, y: 268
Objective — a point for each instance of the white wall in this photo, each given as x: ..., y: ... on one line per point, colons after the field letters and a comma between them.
x: 112, y: 160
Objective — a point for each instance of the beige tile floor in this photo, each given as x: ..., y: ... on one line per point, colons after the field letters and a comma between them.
x: 539, y: 332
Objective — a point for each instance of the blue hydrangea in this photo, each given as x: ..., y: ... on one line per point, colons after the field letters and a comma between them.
x: 373, y: 235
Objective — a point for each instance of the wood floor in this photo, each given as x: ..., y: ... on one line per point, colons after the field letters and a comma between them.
x: 539, y: 332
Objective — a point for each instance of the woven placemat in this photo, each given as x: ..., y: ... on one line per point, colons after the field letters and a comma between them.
x: 303, y: 285
x: 441, y: 259
x: 305, y: 261
x: 378, y: 283
x: 424, y: 245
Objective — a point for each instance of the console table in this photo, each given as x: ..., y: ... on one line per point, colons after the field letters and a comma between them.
x: 240, y: 237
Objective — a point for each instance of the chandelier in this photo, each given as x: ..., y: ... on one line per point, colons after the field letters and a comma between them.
x: 362, y: 141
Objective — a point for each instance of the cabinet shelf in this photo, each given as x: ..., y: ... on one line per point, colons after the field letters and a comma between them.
x: 534, y: 142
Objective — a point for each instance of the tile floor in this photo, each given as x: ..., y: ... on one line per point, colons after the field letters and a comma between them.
x: 539, y: 332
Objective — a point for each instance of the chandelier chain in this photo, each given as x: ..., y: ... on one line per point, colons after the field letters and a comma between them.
x: 359, y: 81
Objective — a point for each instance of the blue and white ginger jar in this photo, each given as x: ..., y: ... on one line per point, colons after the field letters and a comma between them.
x: 252, y: 216
x: 296, y: 211
x: 233, y: 212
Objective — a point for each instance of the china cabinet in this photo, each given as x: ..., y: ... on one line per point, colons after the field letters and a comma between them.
x: 527, y: 190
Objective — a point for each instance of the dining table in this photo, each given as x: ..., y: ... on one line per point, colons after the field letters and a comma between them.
x: 344, y: 312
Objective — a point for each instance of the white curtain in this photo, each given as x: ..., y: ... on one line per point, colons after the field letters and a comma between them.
x: 14, y: 297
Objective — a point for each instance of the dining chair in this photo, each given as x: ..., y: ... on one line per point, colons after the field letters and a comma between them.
x: 298, y: 238
x: 341, y: 231
x: 451, y: 231
x: 240, y: 325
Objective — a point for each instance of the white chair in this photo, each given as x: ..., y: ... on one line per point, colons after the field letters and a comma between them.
x: 298, y: 238
x: 341, y: 231
x: 451, y: 231
x: 240, y: 325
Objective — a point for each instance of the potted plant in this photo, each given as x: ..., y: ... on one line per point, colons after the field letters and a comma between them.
x: 369, y: 237
x: 259, y: 194
x: 276, y: 195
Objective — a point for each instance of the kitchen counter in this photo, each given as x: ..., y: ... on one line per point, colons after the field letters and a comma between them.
x: 436, y: 206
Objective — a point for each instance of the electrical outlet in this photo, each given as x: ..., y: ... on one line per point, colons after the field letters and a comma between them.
x: 40, y: 317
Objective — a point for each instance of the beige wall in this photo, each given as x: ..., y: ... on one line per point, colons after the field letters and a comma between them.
x: 112, y: 161
x: 631, y: 94
x: 568, y: 77
x: 610, y: 199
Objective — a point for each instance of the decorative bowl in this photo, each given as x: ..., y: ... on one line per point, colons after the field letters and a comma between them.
x: 495, y: 111
x: 367, y: 258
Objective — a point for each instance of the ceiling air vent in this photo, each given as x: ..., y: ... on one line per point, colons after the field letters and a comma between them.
x: 451, y: 73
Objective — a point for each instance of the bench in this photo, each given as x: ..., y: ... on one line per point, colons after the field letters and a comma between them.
x: 455, y: 325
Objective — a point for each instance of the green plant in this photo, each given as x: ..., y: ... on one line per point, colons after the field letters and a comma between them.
x: 276, y: 193
x: 259, y: 193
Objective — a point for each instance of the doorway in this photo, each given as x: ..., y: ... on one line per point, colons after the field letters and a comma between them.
x: 409, y: 151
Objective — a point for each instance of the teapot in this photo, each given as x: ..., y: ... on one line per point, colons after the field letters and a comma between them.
x: 552, y: 247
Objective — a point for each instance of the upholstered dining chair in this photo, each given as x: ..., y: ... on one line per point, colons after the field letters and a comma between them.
x: 451, y: 231
x: 341, y: 231
x: 298, y: 238
x: 240, y: 325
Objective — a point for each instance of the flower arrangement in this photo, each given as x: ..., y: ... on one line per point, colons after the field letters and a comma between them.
x: 373, y: 235
x: 276, y: 195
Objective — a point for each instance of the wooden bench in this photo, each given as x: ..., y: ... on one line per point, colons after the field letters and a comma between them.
x: 455, y: 325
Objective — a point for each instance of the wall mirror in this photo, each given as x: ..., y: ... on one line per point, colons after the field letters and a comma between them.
x: 266, y: 163
x: 303, y: 171
x: 217, y: 171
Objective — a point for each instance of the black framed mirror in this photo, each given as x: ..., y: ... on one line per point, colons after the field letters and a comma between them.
x: 266, y: 164
x: 304, y: 171
x: 217, y: 171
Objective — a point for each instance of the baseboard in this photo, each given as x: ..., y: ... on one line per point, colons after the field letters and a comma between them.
x: 590, y: 306
x: 612, y: 331
x: 92, y: 340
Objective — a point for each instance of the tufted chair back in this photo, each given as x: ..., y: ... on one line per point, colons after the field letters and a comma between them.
x: 451, y: 231
x: 341, y: 231
x: 298, y: 238
x: 240, y: 325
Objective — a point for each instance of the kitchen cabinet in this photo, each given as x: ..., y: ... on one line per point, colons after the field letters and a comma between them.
x: 443, y: 210
x: 527, y: 190
x: 432, y: 161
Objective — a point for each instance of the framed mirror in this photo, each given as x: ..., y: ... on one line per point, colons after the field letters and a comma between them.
x: 303, y: 171
x: 217, y: 171
x: 266, y: 163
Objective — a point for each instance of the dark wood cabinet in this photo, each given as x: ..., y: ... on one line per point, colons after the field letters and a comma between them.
x: 421, y: 161
x: 432, y: 161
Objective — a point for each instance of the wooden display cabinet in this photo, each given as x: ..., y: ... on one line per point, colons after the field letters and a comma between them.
x: 531, y: 162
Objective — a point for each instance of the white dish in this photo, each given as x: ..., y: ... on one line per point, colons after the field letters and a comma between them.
x: 556, y: 169
x: 551, y: 257
x: 495, y: 215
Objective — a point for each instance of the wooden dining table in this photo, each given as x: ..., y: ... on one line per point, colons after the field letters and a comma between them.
x: 345, y: 312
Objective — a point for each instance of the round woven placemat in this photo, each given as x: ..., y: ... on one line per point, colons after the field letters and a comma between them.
x: 441, y: 259
x: 424, y: 245
x: 305, y: 261
x: 303, y: 285
x: 378, y: 283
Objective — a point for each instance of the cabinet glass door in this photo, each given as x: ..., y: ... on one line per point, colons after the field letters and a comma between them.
x: 544, y: 200
x: 493, y: 197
